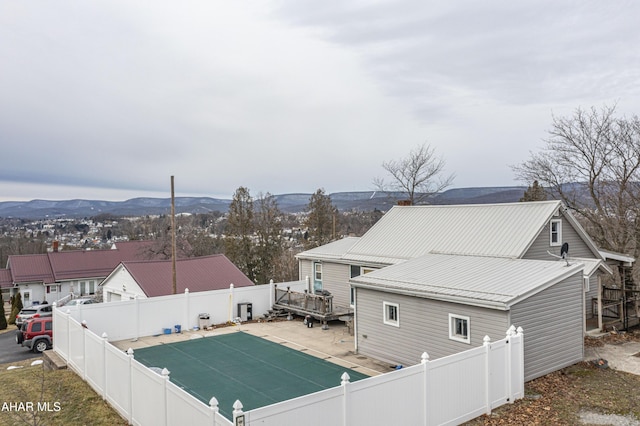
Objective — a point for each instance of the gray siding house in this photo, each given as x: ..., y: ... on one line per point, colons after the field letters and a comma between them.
x: 440, y: 278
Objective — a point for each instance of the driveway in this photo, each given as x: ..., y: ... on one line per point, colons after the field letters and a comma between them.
x: 10, y: 351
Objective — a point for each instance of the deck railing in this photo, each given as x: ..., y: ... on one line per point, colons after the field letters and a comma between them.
x: 320, y: 303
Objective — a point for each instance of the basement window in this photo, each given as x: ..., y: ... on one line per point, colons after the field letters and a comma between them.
x: 391, y: 314
x: 459, y: 328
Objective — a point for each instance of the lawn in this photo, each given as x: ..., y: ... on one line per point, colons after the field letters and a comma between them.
x: 31, y: 395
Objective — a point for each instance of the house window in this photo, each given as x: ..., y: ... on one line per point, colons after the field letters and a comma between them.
x: 586, y: 284
x: 391, y: 314
x: 459, y: 328
x: 355, y: 271
x: 556, y: 232
x: 317, y: 271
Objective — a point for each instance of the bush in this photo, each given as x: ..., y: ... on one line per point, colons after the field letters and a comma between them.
x: 3, y: 318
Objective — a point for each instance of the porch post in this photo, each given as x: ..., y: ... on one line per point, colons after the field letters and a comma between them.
x: 599, y: 303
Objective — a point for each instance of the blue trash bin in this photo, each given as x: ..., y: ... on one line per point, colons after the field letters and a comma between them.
x: 177, y: 327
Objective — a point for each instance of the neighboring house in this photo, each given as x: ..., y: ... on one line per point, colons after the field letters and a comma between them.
x: 6, y: 283
x: 440, y: 278
x: 142, y: 279
x: 54, y: 275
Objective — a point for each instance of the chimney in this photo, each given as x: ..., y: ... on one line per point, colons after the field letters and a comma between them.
x: 55, y: 246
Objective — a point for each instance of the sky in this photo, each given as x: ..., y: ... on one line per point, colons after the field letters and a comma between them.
x: 109, y: 99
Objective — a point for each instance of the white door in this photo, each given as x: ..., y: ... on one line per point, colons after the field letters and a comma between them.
x: 26, y: 298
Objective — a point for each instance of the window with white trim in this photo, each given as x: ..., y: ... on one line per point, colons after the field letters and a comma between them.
x: 459, y: 328
x: 555, y: 229
x: 586, y: 285
x: 391, y: 313
x: 317, y: 271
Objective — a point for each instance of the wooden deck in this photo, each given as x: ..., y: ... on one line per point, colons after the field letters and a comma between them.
x: 317, y: 306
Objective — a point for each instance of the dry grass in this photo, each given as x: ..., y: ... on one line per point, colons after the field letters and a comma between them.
x: 64, y: 398
x: 559, y: 398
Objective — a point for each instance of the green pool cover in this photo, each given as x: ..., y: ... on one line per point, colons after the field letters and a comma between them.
x: 241, y: 366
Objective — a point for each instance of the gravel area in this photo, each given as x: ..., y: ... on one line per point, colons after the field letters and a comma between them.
x: 591, y: 418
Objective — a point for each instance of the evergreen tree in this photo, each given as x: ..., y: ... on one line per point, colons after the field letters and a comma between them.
x: 3, y: 318
x: 269, y: 246
x: 239, y: 232
x: 15, y: 308
x: 321, y: 221
x: 534, y: 192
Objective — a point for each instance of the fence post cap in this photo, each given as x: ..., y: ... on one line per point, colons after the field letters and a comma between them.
x: 424, y: 358
x: 520, y: 330
x: 345, y: 378
x: 186, y: 291
x: 104, y: 335
x: 165, y: 373
x: 486, y: 340
x: 213, y: 402
x: 130, y: 352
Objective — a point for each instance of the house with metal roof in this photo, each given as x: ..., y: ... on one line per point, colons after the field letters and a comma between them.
x: 56, y: 275
x: 151, y: 278
x: 441, y: 278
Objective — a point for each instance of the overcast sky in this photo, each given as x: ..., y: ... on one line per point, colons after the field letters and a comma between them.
x: 108, y: 99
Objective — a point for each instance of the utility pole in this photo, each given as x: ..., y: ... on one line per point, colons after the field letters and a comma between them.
x: 173, y: 238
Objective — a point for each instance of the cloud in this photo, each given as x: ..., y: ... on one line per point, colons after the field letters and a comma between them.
x: 293, y: 96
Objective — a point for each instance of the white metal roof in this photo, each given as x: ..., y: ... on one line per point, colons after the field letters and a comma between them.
x: 490, y: 282
x: 628, y: 260
x: 497, y: 230
x: 333, y: 250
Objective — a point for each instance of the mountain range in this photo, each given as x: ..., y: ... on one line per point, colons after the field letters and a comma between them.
x: 290, y: 203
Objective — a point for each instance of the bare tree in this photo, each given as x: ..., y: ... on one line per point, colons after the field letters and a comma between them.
x: 591, y: 161
x: 418, y: 175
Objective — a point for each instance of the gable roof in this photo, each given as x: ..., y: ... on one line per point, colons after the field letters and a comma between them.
x: 494, y: 230
x: 28, y: 268
x: 490, y: 282
x: 205, y: 273
x: 59, y: 266
x: 5, y: 278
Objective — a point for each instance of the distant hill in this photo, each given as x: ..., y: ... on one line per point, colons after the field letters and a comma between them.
x: 291, y: 203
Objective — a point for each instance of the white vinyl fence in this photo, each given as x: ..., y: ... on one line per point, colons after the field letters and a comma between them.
x: 147, y: 317
x: 445, y: 391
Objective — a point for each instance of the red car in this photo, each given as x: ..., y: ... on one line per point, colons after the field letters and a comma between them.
x: 36, y: 334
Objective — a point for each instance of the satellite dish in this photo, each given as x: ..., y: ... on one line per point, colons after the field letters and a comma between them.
x: 564, y: 253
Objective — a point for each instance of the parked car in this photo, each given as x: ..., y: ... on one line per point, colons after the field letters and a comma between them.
x: 80, y: 301
x: 35, y: 311
x: 36, y: 334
